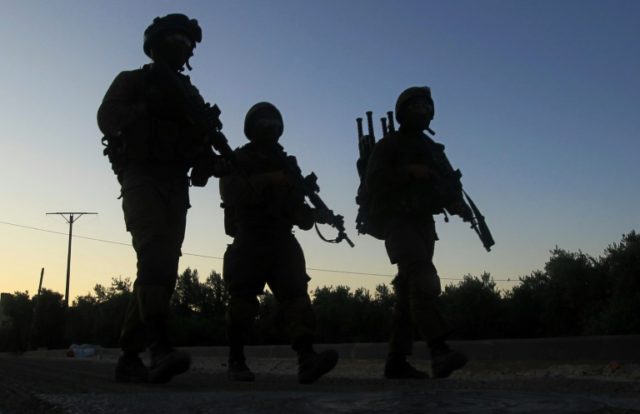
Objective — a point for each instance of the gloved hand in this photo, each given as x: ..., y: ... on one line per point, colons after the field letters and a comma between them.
x: 421, y: 171
x: 221, y: 167
x: 304, y: 217
x: 460, y: 208
x: 199, y: 177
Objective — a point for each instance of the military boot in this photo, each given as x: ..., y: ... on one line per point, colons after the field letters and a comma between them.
x: 131, y: 369
x: 445, y: 360
x: 397, y: 367
x: 312, y: 365
x: 166, y: 363
x: 237, y: 370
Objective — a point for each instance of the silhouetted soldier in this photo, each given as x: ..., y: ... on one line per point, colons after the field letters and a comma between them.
x: 152, y: 146
x: 260, y: 212
x: 401, y: 183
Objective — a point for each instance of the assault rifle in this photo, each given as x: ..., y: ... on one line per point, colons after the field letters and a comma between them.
x: 203, y: 116
x: 309, y: 187
x: 448, y: 186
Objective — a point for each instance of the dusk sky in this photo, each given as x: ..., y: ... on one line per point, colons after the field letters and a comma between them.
x: 537, y: 103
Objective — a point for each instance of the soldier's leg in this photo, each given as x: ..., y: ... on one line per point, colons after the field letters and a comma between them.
x: 403, y: 243
x: 241, y: 312
x: 401, y: 340
x: 156, y: 220
x: 243, y: 266
x: 424, y: 290
x: 299, y: 319
x: 288, y: 281
x: 158, y: 265
x: 133, y: 337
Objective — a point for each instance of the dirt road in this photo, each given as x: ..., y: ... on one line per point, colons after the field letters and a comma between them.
x: 35, y: 384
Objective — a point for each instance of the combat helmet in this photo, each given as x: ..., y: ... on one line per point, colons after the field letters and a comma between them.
x: 261, y: 109
x: 175, y: 22
x: 409, y: 93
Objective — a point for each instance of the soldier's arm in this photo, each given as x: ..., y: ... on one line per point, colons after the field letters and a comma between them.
x: 421, y: 172
x: 122, y: 104
x: 262, y: 180
x: 304, y: 217
x: 279, y: 177
x: 235, y: 191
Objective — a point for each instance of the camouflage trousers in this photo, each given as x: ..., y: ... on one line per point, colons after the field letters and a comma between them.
x: 256, y: 260
x: 416, y: 286
x: 155, y: 214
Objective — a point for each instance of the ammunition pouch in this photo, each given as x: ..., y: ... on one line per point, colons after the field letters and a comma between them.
x: 153, y: 141
x: 368, y: 226
x: 165, y: 138
x: 130, y: 145
x: 230, y: 224
x: 172, y: 141
x: 114, y: 151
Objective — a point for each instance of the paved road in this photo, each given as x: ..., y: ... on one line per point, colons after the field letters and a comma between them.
x: 31, y: 384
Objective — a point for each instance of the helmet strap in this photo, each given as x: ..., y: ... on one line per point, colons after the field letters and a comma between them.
x: 187, y: 62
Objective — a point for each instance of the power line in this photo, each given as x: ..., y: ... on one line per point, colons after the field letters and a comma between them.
x: 347, y: 272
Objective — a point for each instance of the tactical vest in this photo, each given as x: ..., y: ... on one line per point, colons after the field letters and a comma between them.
x: 162, y: 139
x: 414, y: 199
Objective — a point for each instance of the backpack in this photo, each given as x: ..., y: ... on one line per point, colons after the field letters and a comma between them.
x: 366, y: 143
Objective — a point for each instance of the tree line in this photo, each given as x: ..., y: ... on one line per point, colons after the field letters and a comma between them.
x: 575, y: 294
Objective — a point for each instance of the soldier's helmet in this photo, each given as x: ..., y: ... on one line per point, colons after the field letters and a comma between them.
x: 259, y: 111
x: 171, y: 23
x: 407, y: 95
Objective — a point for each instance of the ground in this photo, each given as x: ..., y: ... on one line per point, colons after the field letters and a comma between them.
x: 50, y: 382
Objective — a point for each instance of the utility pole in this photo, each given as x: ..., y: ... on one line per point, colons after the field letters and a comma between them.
x: 40, y: 284
x: 35, y: 313
x: 73, y: 217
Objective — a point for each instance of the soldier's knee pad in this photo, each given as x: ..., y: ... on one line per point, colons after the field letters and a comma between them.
x: 153, y: 300
x: 300, y: 320
x: 296, y: 304
x: 423, y: 281
x: 298, y: 308
x: 242, y: 309
x: 158, y: 262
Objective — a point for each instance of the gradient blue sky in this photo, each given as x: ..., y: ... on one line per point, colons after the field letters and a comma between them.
x: 536, y: 101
